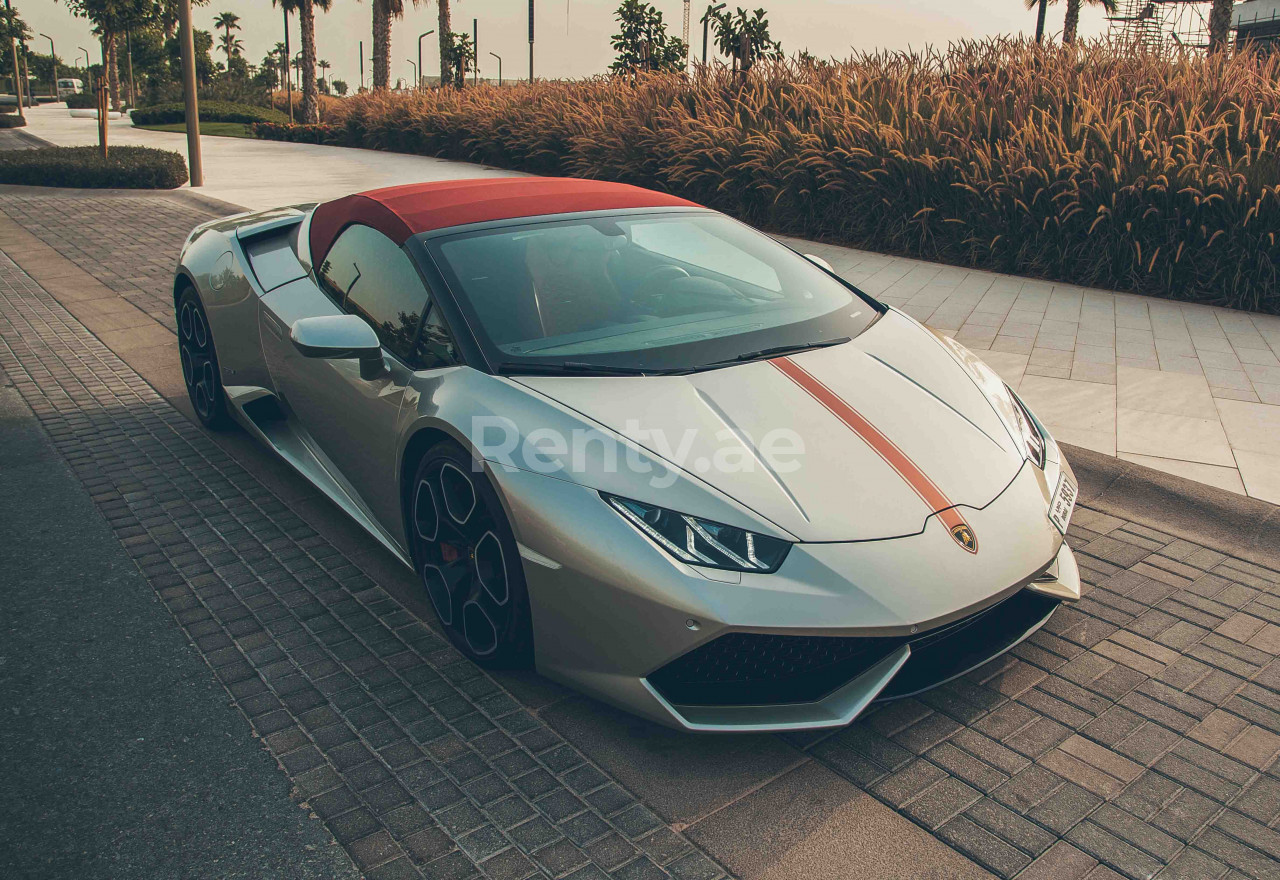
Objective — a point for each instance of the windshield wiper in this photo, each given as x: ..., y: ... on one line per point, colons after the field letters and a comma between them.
x: 579, y: 367
x: 778, y: 350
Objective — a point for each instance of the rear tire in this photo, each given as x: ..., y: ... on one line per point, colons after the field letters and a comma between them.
x: 200, y: 363
x: 467, y: 559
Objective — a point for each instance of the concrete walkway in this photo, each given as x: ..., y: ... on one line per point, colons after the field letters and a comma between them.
x: 1187, y: 389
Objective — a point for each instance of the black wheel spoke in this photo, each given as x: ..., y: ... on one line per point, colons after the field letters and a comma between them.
x: 466, y: 565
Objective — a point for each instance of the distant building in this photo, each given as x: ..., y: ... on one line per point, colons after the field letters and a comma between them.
x: 1257, y: 22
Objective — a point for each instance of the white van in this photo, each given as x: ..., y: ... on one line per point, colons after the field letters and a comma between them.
x: 70, y: 87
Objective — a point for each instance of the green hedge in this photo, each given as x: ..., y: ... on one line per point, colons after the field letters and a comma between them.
x: 81, y: 101
x: 301, y: 134
x: 210, y: 111
x: 11, y: 120
x: 125, y: 168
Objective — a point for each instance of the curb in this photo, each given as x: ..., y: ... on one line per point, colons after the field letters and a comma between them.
x: 200, y: 200
x: 1233, y: 524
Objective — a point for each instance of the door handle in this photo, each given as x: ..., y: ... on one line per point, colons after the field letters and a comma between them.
x: 273, y: 324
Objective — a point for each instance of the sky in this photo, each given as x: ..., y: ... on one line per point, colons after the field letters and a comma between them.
x: 573, y: 35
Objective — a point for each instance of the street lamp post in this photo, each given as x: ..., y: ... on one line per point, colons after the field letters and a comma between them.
x: 17, y: 74
x: 53, y: 53
x: 288, y: 77
x: 187, y: 43
x: 128, y: 54
x: 706, y: 21
x: 530, y: 40
x: 499, y: 57
x: 362, y: 65
x: 420, y: 38
x: 88, y: 72
x: 475, y: 52
x: 416, y: 78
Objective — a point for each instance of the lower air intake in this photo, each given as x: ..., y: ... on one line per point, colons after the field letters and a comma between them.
x: 746, y: 669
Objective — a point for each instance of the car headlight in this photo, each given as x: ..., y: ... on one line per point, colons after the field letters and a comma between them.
x: 1032, y: 440
x: 701, y: 541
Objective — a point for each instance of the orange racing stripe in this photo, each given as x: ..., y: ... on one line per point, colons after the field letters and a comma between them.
x: 918, y: 480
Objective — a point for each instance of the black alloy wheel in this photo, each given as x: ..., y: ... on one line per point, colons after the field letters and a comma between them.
x: 467, y: 558
x: 200, y: 362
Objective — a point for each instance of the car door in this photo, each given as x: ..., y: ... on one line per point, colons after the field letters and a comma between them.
x: 353, y: 419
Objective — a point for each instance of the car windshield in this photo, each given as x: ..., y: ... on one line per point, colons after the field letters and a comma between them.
x: 654, y: 291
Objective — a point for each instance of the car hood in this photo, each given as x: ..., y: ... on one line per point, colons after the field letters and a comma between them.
x: 860, y: 441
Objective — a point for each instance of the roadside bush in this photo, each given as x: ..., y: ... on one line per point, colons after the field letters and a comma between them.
x: 301, y: 134
x: 210, y: 111
x: 1096, y: 164
x: 11, y: 120
x: 124, y: 168
x: 329, y: 106
x: 81, y: 101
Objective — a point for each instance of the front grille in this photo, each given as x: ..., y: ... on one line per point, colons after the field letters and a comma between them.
x: 743, y: 669
x: 952, y: 650
x: 753, y: 669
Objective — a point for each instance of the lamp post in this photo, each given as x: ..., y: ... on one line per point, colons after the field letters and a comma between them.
x: 128, y: 54
x: 187, y: 43
x: 706, y: 21
x: 53, y: 53
x: 362, y: 65
x: 288, y: 77
x: 88, y: 72
x: 530, y: 40
x: 499, y: 57
x: 416, y: 78
x: 475, y: 52
x: 420, y: 39
x: 17, y: 75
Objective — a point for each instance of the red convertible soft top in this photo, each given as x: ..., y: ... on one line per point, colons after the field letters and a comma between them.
x: 401, y: 211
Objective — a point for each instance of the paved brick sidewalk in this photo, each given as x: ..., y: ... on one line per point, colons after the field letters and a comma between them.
x: 418, y: 762
x: 135, y: 259
x: 1137, y: 734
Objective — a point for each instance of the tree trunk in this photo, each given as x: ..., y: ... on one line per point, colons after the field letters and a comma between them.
x: 113, y: 72
x: 1220, y: 25
x: 381, y: 46
x: 445, y: 29
x: 1041, y: 9
x: 1072, y: 21
x: 310, y: 98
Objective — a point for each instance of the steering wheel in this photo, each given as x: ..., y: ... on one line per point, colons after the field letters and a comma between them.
x: 651, y: 284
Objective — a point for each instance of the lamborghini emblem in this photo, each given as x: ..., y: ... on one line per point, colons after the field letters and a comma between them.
x: 965, y: 537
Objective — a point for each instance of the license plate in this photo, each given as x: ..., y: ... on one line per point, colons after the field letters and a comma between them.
x: 1064, y: 501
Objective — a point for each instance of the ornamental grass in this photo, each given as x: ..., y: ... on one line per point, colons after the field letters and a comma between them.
x: 1098, y: 165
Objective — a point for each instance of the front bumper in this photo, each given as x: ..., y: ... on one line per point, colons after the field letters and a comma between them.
x: 611, y: 611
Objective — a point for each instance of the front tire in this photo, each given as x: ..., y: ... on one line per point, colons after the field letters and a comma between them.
x: 468, y: 561
x: 200, y: 363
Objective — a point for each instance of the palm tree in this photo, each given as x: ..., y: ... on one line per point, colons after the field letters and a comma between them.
x: 384, y: 12
x: 1073, y: 16
x: 1041, y: 6
x: 445, y: 29
x: 229, y: 22
x: 287, y: 6
x: 310, y: 93
x: 324, y: 67
x: 1220, y: 25
x: 230, y: 45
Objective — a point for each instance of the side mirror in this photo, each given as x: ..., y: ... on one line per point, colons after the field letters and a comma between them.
x: 339, y: 337
x: 819, y: 262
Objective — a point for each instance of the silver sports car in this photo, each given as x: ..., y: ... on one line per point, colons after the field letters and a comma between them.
x: 636, y: 444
